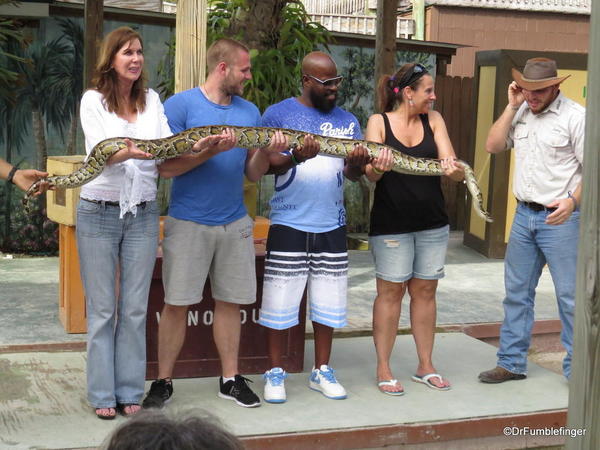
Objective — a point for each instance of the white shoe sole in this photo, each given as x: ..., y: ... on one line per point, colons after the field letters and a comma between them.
x: 229, y: 397
x: 317, y: 387
x: 275, y: 399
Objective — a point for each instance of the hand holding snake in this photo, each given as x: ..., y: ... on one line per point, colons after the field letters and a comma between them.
x: 257, y: 137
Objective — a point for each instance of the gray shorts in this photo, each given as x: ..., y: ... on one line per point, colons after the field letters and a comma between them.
x: 192, y: 251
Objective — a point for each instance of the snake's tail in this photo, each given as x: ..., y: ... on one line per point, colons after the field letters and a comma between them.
x: 476, y: 197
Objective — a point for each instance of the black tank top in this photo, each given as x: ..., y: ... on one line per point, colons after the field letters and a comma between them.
x: 407, y: 203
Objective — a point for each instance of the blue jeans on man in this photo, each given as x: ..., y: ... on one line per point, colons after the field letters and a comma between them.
x: 533, y: 244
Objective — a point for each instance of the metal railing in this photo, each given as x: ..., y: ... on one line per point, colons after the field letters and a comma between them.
x: 563, y: 6
x: 347, y: 23
x: 336, y: 7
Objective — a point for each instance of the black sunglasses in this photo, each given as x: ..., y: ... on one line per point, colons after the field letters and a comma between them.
x: 417, y: 71
x: 329, y: 82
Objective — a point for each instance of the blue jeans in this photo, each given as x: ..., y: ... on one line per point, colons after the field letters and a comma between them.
x: 532, y: 244
x: 116, y: 346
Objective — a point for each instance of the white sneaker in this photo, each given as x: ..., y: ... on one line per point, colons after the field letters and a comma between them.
x: 324, y: 381
x: 275, y: 385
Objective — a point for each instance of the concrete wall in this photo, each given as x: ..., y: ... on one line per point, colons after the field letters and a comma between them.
x: 490, y: 29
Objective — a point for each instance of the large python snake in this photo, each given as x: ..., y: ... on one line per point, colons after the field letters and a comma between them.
x: 251, y: 137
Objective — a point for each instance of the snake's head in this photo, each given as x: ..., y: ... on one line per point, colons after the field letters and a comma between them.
x: 34, y: 190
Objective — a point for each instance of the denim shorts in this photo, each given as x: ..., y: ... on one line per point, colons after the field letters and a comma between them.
x: 400, y: 257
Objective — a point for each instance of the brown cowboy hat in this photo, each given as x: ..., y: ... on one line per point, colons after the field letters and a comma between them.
x: 539, y: 73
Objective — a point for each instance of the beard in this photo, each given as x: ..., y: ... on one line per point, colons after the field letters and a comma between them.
x: 321, y: 103
x: 232, y: 88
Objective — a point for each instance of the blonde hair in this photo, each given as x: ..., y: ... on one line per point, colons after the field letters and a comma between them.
x: 105, y: 79
x: 223, y: 50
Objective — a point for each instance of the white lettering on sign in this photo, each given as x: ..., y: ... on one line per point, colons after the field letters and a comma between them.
x: 193, y: 317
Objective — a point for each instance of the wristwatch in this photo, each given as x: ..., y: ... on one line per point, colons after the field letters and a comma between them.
x: 11, y: 175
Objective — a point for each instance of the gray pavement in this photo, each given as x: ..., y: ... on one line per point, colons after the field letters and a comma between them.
x: 43, y: 404
x: 43, y: 401
x: 471, y: 292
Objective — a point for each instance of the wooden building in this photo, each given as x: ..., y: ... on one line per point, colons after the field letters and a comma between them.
x: 535, y: 25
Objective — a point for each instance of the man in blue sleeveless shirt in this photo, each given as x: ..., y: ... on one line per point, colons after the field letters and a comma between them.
x: 307, y: 237
x: 208, y: 231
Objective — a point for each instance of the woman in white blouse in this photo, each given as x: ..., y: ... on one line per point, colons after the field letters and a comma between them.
x: 117, y: 224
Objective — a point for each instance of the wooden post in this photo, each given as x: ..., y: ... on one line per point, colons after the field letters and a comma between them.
x: 190, y: 48
x: 385, y: 40
x: 584, y: 386
x: 93, y: 12
x: 418, y: 15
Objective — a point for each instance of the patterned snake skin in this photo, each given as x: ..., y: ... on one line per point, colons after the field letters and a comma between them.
x: 251, y: 137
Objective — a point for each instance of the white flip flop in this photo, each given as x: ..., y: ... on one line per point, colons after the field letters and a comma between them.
x: 425, y: 380
x: 380, y: 384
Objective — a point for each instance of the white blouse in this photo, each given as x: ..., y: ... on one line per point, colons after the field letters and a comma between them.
x: 129, y: 182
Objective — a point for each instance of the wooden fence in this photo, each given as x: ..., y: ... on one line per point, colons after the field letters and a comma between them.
x: 454, y: 102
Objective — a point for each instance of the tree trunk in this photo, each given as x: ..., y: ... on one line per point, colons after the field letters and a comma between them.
x: 258, y: 33
x: 385, y: 40
x: 40, y: 138
x: 72, y: 138
x: 93, y: 24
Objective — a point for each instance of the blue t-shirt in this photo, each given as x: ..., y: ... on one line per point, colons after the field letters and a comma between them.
x: 310, y: 196
x: 212, y: 193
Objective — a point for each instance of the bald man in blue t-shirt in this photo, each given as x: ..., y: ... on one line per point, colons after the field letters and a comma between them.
x: 306, y: 245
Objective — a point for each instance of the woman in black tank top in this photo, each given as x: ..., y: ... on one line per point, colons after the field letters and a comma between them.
x: 409, y: 224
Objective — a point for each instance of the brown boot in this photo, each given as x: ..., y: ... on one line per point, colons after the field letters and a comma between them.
x: 499, y: 375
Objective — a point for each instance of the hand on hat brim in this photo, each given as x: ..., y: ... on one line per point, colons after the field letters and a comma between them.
x: 534, y: 85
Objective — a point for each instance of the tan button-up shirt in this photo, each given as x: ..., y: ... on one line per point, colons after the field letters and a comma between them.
x: 548, y: 150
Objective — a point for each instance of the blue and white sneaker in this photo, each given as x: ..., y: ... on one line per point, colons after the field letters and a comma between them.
x: 275, y: 385
x: 323, y: 380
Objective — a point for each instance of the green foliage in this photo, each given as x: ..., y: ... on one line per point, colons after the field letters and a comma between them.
x: 406, y: 56
x: 358, y: 71
x: 276, y: 66
x: 166, y: 71
x: 276, y: 70
x: 10, y: 34
x: 46, y: 84
x: 69, y: 76
x: 34, y: 234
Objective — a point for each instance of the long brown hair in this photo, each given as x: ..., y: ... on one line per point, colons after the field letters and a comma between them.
x: 105, y: 79
x: 389, y: 91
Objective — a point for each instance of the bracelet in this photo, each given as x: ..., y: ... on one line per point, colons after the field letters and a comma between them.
x: 294, y: 160
x: 377, y: 171
x: 570, y: 195
x: 514, y: 108
x: 11, y: 175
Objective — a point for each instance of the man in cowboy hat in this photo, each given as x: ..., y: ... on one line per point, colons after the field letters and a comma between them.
x: 546, y: 130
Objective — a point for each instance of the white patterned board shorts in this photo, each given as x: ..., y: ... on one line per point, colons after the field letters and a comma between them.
x: 297, y: 259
